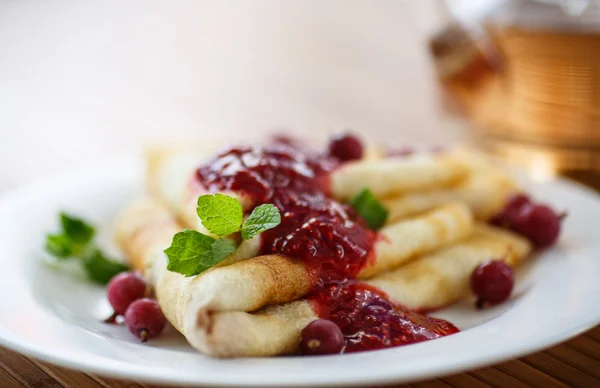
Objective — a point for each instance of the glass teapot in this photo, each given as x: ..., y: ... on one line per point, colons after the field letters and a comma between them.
x: 526, y: 75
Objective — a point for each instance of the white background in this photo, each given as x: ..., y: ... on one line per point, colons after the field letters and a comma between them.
x: 84, y: 80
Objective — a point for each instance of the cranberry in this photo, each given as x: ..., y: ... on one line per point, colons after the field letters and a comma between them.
x: 322, y: 337
x: 512, y: 206
x: 346, y: 147
x: 492, y: 282
x: 144, y: 319
x: 514, y: 203
x: 538, y: 223
x: 123, y: 289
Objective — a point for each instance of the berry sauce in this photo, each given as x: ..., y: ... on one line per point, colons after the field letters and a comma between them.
x: 329, y: 237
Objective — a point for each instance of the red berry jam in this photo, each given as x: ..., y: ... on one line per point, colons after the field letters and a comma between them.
x: 369, y: 321
x: 258, y: 171
x: 328, y: 236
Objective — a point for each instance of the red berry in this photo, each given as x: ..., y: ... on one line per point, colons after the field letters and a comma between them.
x: 144, y: 319
x: 123, y: 289
x: 492, y: 282
x: 538, y: 223
x: 345, y: 147
x: 322, y: 337
x: 512, y: 206
x: 514, y: 203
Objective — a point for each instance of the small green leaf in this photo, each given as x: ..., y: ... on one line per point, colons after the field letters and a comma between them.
x: 221, y: 214
x: 263, y: 217
x: 187, y: 251
x: 220, y: 249
x: 59, y: 246
x: 100, y: 268
x: 79, y: 231
x: 369, y: 208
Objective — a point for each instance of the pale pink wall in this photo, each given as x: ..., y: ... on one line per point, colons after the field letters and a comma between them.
x: 80, y: 81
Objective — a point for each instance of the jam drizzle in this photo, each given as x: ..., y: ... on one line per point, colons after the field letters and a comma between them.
x: 330, y: 238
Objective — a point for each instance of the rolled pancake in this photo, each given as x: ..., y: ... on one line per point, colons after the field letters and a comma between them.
x: 440, y: 281
x: 146, y: 228
x: 271, y: 331
x: 484, y: 190
x: 169, y: 170
x: 440, y: 278
x: 402, y: 241
x: 394, y: 176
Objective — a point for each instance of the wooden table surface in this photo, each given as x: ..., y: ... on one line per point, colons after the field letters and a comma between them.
x: 575, y: 363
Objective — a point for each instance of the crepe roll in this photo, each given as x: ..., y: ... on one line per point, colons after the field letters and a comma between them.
x: 143, y: 231
x: 270, y: 279
x: 394, y: 176
x: 271, y: 331
x: 169, y: 170
x: 440, y: 278
x: 430, y: 282
x: 146, y: 229
x: 484, y: 191
x: 407, y: 239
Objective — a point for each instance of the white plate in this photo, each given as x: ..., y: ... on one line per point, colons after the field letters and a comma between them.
x: 54, y: 314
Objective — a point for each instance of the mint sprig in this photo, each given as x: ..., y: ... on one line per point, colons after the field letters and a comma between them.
x: 188, y: 250
x: 59, y: 246
x: 369, y: 208
x: 75, y: 240
x: 263, y: 217
x: 221, y: 214
x: 192, y: 252
x: 77, y: 230
x: 101, y: 268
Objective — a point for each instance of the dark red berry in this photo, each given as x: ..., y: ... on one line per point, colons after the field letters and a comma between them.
x: 514, y: 203
x: 492, y: 282
x: 346, y: 147
x: 123, y: 289
x: 538, y: 223
x: 322, y: 337
x: 144, y: 319
x: 512, y: 206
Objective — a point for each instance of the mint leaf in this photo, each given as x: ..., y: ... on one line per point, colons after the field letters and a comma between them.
x: 220, y: 214
x: 222, y: 248
x: 59, y: 246
x: 76, y: 229
x: 262, y: 218
x: 369, y: 208
x: 75, y: 240
x: 100, y: 268
x: 188, y: 250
